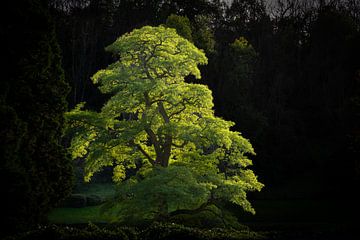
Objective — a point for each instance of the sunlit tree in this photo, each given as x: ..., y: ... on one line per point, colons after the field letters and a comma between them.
x: 186, y: 159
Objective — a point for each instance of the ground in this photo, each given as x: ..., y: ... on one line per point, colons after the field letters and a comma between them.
x: 275, y: 219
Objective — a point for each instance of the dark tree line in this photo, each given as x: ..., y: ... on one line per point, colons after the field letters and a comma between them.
x: 310, y: 81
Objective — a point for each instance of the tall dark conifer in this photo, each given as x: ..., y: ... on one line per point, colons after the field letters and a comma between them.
x: 36, y: 170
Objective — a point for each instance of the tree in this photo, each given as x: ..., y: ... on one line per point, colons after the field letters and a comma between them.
x: 244, y: 16
x: 187, y: 160
x: 203, y: 33
x: 181, y: 24
x: 237, y: 88
x: 36, y: 171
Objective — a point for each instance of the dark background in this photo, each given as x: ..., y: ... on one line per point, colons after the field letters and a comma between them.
x: 295, y: 94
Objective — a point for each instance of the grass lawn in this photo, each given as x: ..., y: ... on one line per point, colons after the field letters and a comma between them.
x: 77, y: 215
x: 280, y: 212
x: 105, y: 190
x: 66, y: 215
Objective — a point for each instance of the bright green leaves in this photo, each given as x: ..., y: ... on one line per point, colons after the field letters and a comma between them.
x: 119, y: 173
x: 153, y: 53
x: 151, y: 59
x: 185, y: 158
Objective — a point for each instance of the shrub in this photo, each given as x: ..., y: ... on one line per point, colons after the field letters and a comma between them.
x: 91, y: 232
x: 172, y: 231
x: 156, y: 231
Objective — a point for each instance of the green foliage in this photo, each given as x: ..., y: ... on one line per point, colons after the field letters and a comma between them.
x: 77, y: 215
x: 156, y: 231
x: 203, y: 34
x: 237, y: 88
x: 244, y: 57
x: 198, y: 31
x: 165, y: 128
x: 36, y: 170
x: 166, y: 231
x: 15, y: 182
x: 89, y: 232
x: 181, y: 24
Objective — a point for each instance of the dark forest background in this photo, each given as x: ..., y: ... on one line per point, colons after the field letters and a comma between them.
x: 287, y: 75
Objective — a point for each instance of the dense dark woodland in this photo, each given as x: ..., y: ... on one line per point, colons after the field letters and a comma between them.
x: 293, y: 89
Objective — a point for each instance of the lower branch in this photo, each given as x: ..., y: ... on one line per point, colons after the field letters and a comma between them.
x: 202, y: 208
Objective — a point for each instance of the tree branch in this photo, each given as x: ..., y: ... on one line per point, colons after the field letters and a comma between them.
x: 180, y: 146
x: 147, y: 99
x: 151, y: 160
x: 154, y: 140
x: 203, y: 207
x: 179, y: 111
x: 163, y: 113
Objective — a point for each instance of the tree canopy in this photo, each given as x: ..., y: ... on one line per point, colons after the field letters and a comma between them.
x: 186, y: 159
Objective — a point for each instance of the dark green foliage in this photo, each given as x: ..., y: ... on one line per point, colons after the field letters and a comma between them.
x: 75, y: 201
x: 174, y: 231
x: 199, y: 31
x: 82, y: 200
x: 245, y: 17
x: 181, y: 24
x: 203, y: 33
x: 237, y: 88
x: 89, y: 232
x: 14, y: 183
x: 155, y: 231
x: 34, y: 166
